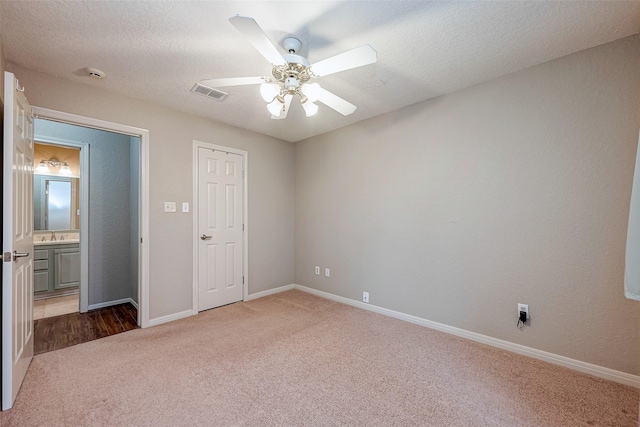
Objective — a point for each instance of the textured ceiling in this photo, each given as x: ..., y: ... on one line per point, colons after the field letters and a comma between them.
x: 158, y: 50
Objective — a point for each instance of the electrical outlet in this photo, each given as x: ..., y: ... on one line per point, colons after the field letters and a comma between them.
x: 169, y: 206
x: 317, y: 270
x: 185, y: 206
x: 525, y: 308
x: 327, y: 272
x: 365, y: 297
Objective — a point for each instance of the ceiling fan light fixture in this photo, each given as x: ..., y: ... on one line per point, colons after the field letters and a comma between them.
x: 275, y: 107
x: 291, y: 84
x: 312, y: 91
x: 292, y: 72
x: 310, y: 108
x: 269, y: 91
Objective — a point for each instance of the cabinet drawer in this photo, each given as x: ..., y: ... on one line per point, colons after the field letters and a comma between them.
x: 40, y: 281
x: 40, y: 254
x: 42, y: 264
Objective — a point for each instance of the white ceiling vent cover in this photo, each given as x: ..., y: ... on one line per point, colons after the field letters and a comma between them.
x: 216, y: 94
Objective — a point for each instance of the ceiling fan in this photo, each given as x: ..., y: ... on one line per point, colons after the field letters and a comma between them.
x: 292, y: 73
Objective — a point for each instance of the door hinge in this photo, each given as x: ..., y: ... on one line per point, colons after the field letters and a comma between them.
x: 141, y: 240
x: 243, y: 280
x: 242, y: 227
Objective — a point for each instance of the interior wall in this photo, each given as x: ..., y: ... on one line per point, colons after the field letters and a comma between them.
x: 461, y: 207
x: 171, y: 133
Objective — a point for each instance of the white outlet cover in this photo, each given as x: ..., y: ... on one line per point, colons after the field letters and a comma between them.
x: 317, y: 270
x: 185, y: 206
x: 327, y: 272
x: 523, y: 307
x: 169, y: 206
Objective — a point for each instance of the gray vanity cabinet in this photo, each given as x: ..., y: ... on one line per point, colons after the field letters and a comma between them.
x: 67, y: 268
x: 56, y: 267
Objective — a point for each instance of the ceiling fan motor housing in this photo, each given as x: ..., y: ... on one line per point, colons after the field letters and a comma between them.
x: 291, y: 44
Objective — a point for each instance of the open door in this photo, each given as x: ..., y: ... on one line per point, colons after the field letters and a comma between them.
x: 17, y: 240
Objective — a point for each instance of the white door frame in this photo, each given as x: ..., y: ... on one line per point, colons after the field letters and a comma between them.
x: 143, y: 201
x: 84, y: 209
x: 245, y: 218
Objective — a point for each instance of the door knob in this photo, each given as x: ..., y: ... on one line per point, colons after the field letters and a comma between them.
x: 205, y: 237
x: 17, y: 255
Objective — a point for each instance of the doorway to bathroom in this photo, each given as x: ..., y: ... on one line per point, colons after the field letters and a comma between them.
x: 104, y: 275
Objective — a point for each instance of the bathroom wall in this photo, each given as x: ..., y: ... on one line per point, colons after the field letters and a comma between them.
x: 109, y: 208
x: 71, y: 156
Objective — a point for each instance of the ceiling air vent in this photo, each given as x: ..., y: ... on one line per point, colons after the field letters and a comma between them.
x: 209, y: 92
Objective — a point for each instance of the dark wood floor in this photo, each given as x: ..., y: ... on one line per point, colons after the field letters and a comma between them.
x: 54, y: 333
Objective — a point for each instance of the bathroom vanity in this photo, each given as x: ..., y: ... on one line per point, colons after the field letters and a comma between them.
x: 56, y: 266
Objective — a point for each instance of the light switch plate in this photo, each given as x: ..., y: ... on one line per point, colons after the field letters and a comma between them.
x: 169, y: 206
x: 185, y: 206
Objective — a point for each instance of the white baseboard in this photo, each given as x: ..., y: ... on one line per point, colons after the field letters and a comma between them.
x: 577, y: 365
x: 170, y: 317
x: 269, y: 292
x: 114, y: 302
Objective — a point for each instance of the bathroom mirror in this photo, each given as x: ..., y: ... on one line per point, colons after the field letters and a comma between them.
x: 55, y: 202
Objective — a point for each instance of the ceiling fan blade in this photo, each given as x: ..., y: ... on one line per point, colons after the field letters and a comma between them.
x: 233, y: 81
x: 254, y: 34
x: 287, y: 104
x: 332, y: 100
x: 353, y: 58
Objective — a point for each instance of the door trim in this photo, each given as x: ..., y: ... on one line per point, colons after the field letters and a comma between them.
x: 245, y: 218
x: 143, y: 199
x: 84, y: 210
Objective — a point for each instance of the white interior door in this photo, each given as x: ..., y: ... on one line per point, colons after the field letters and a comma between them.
x: 17, y: 240
x: 220, y: 228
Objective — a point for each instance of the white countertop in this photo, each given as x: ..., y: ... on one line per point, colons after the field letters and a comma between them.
x: 55, y: 242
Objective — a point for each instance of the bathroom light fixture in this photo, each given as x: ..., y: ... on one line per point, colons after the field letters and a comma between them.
x: 43, y: 166
x: 65, y: 169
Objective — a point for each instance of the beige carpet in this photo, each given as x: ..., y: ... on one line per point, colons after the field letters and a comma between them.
x: 294, y: 359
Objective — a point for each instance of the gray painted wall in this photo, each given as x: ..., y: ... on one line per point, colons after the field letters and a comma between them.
x: 109, y: 208
x: 512, y: 191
